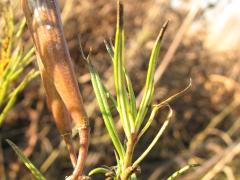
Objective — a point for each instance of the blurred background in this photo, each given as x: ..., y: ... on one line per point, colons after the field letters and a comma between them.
x: 201, y: 43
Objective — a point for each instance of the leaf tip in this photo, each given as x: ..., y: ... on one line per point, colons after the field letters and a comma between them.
x: 162, y: 31
x: 120, y: 14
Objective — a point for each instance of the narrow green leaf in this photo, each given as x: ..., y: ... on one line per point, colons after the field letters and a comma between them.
x: 105, y: 110
x: 16, y: 74
x: 132, y: 99
x: 21, y: 28
x: 13, y: 96
x: 119, y: 166
x: 119, y: 75
x: 22, y: 64
x: 3, y: 91
x: 27, y: 58
x: 151, y: 118
x: 173, y: 97
x: 164, y: 103
x: 102, y: 93
x: 98, y: 171
x: 14, y: 60
x: 14, y: 70
x: 152, y: 144
x: 110, y: 96
x: 110, y: 49
x: 35, y: 172
x: 149, y: 86
x: 181, y: 171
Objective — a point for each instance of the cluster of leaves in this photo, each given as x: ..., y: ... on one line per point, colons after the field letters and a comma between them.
x: 13, y: 60
x: 133, y: 118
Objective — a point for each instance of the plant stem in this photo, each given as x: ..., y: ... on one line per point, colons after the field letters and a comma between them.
x: 69, y: 144
x: 82, y: 156
x: 128, y: 157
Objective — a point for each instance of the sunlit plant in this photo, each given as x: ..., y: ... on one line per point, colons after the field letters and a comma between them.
x: 134, y: 121
x: 13, y: 60
x: 61, y: 99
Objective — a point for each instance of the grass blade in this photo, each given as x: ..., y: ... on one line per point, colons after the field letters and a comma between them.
x: 35, y: 172
x: 149, y: 86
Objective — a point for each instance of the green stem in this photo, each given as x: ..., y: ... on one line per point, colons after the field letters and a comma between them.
x: 128, y: 156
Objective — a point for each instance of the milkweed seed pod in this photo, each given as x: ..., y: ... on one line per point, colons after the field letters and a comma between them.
x: 59, y: 111
x: 44, y: 23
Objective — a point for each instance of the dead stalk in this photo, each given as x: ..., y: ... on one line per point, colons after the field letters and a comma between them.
x: 44, y: 23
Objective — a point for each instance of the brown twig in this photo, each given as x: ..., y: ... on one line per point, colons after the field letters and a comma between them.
x: 44, y: 23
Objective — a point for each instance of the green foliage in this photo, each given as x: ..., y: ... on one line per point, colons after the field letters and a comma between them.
x: 98, y: 170
x: 149, y: 85
x: 101, y: 95
x: 133, y: 119
x: 35, y: 172
x: 13, y: 61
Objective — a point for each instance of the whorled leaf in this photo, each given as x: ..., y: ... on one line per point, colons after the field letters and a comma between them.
x: 164, y: 103
x: 101, y: 95
x: 149, y: 85
x: 119, y: 76
x: 155, y: 140
x: 151, y: 118
x: 131, y: 95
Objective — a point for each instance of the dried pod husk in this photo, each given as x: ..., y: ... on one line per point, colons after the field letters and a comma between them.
x: 60, y: 114
x: 44, y: 23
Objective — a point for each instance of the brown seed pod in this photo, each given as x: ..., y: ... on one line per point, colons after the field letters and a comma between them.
x: 44, y: 23
x: 59, y: 111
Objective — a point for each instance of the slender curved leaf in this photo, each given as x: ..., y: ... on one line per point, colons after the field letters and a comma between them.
x: 101, y: 95
x: 35, y: 172
x: 149, y: 86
